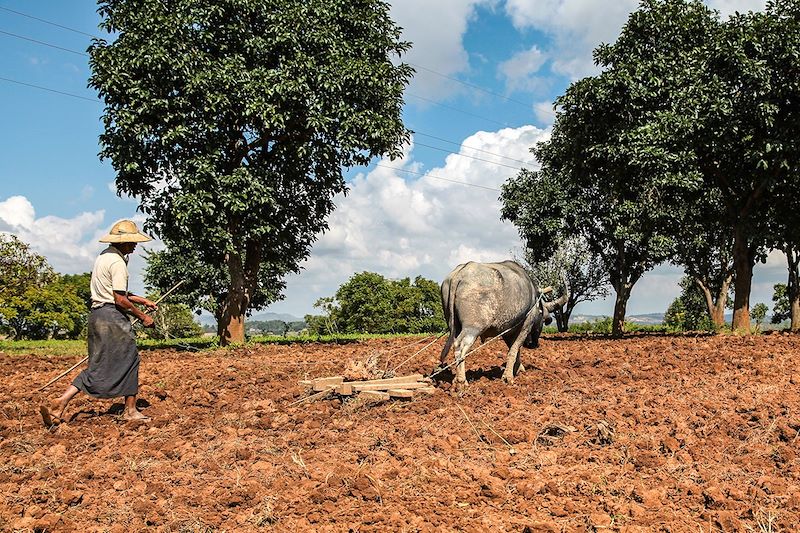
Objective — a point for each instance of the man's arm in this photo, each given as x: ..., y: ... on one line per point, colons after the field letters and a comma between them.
x: 142, y: 301
x: 123, y: 301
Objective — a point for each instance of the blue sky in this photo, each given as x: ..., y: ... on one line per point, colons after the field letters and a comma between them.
x: 487, y: 73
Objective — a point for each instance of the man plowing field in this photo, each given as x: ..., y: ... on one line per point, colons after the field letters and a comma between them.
x: 113, y: 369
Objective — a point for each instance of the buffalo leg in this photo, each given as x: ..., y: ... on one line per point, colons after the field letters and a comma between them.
x: 463, y: 343
x: 446, y: 349
x: 513, y: 364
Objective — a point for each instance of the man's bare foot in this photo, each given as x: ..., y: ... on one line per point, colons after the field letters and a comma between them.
x: 49, y: 416
x: 135, y: 415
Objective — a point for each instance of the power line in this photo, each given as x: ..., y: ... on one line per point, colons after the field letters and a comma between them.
x: 465, y: 155
x: 478, y: 87
x: 527, y: 105
x: 50, y: 90
x: 434, y: 102
x: 439, y: 178
x: 470, y: 147
x: 47, y: 22
x: 44, y: 43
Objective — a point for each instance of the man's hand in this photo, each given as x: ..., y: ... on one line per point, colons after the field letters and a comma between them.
x: 151, y: 305
x: 148, y: 321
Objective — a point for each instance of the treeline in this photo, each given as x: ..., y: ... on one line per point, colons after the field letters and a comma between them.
x: 38, y: 303
x: 274, y: 327
x: 371, y: 303
x: 689, y: 311
x: 683, y: 149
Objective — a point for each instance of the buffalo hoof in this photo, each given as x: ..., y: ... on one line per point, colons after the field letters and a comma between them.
x: 508, y: 377
x: 520, y: 369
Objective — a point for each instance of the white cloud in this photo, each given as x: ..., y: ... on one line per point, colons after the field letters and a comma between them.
x: 70, y: 245
x: 436, y: 30
x: 520, y: 70
x: 544, y: 112
x: 400, y: 226
x: 728, y: 7
x: 577, y: 27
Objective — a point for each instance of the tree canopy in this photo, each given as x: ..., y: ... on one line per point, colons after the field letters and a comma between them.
x: 35, y: 301
x: 689, y: 130
x: 370, y: 303
x: 230, y: 121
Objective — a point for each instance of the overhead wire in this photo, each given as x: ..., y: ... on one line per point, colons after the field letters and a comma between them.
x: 43, y: 43
x: 445, y: 106
x: 416, y: 132
x: 20, y: 13
x: 50, y: 90
x: 459, y: 154
x: 438, y: 177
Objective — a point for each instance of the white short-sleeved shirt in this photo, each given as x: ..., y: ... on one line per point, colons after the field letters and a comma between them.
x: 110, y: 273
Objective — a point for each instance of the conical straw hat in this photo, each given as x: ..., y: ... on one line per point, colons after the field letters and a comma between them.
x: 125, y: 231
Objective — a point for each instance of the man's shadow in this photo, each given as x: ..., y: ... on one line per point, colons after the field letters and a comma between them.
x: 115, y: 409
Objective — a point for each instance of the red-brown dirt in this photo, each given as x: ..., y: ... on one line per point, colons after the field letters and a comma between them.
x: 651, y: 433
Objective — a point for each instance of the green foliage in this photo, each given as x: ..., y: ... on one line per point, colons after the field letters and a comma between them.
x: 171, y: 320
x: 586, y: 275
x: 602, y: 178
x: 231, y: 123
x: 759, y: 313
x: 781, y: 309
x: 52, y: 311
x: 370, y: 303
x: 21, y: 270
x: 689, y: 312
x: 277, y: 327
x: 36, y: 302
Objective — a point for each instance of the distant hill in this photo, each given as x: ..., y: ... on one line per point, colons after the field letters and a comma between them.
x: 644, y: 319
x: 208, y: 320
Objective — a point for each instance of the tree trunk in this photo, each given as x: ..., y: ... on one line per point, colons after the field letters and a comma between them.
x: 793, y: 287
x: 716, y: 306
x: 743, y: 265
x: 562, y: 320
x: 235, y: 305
x: 623, y: 291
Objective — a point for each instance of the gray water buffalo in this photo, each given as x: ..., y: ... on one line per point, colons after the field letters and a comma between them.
x: 487, y: 299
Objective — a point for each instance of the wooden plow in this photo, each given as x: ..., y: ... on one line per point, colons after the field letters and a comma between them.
x: 373, y: 389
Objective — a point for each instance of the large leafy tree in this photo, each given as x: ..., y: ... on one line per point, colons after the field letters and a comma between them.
x: 370, y: 303
x: 738, y: 119
x: 231, y: 121
x: 602, y: 178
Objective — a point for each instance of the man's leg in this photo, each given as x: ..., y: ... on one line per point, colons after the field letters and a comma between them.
x: 55, y: 411
x: 131, y: 412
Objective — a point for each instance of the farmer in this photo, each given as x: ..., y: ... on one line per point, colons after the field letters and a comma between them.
x: 113, y: 369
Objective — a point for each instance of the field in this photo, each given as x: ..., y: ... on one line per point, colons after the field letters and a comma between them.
x: 648, y: 433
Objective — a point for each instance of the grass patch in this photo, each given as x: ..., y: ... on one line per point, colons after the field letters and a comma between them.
x: 51, y: 348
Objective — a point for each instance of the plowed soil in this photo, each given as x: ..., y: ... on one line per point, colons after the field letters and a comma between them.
x: 649, y: 433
